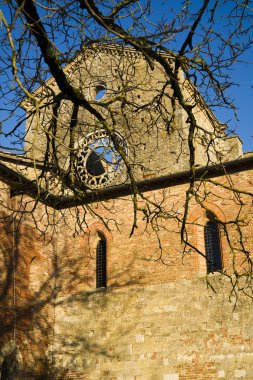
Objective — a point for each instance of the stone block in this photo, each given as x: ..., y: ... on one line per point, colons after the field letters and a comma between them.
x: 240, y: 373
x: 139, y: 338
x: 171, y: 376
x: 221, y: 374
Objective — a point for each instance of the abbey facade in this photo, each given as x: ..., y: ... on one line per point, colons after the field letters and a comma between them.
x: 83, y: 294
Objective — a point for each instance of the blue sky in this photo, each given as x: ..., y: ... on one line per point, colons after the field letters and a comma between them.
x: 241, y: 73
x: 243, y: 99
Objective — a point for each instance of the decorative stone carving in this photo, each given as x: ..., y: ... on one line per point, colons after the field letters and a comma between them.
x: 98, y: 162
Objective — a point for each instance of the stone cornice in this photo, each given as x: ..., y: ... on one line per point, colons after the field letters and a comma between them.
x: 21, y: 185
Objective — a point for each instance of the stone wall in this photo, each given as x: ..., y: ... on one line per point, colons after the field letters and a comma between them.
x: 140, y: 100
x: 170, y: 331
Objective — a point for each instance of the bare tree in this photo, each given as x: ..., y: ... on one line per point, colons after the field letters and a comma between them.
x: 60, y: 41
x: 118, y: 102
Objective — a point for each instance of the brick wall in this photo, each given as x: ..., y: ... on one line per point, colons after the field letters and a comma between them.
x: 26, y: 318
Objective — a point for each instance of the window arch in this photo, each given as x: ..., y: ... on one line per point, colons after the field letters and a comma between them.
x: 212, y: 247
x: 101, y: 277
x: 35, y: 276
x: 38, y: 275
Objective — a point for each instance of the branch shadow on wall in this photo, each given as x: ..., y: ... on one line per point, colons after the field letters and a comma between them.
x: 58, y: 326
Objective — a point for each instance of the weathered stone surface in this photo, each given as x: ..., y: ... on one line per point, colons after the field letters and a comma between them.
x: 181, y: 350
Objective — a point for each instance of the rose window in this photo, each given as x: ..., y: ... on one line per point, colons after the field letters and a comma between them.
x: 98, y: 163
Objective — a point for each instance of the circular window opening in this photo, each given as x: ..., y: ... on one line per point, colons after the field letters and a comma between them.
x: 98, y: 162
x: 100, y: 91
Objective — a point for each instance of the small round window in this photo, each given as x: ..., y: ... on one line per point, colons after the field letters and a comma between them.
x: 98, y: 162
x: 98, y: 90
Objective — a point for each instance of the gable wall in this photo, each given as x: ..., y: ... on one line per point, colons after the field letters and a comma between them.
x: 140, y: 101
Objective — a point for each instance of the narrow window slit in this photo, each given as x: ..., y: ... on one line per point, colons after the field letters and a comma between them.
x: 101, y: 264
x: 212, y: 247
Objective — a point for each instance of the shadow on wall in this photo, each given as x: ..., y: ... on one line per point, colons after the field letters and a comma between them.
x: 32, y: 289
x: 63, y: 327
x: 26, y: 297
x: 10, y: 362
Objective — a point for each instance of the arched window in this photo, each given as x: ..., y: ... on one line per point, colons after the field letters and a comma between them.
x: 36, y: 273
x: 101, y: 264
x: 212, y: 247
